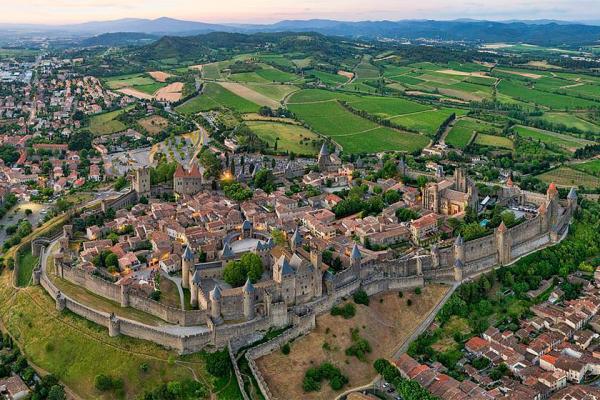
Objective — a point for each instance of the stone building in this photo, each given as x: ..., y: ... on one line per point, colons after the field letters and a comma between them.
x: 451, y: 196
x: 187, y: 182
x: 328, y: 162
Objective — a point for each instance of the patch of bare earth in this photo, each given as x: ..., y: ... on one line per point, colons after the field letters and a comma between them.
x: 170, y: 93
x: 135, y: 93
x: 462, y: 95
x: 154, y: 124
x: 386, y: 325
x: 346, y: 74
x: 196, y: 67
x: 159, y: 76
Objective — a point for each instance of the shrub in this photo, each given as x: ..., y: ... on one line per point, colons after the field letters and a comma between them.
x: 418, y: 290
x: 347, y: 311
x: 103, y: 382
x: 285, y: 349
x: 314, y: 376
x: 361, y: 297
x: 409, y: 302
x: 218, y: 363
x: 400, y: 294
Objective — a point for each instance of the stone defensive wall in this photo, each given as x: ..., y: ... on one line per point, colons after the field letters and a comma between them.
x: 128, y: 298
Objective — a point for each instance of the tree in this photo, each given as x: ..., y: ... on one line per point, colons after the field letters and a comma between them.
x: 56, y: 392
x: 249, y: 266
x: 103, y: 382
x: 81, y: 140
x: 120, y: 183
x: 361, y: 297
x: 264, y: 180
x: 211, y: 163
x: 218, y: 363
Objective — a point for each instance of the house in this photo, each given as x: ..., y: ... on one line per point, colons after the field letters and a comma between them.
x: 13, y: 388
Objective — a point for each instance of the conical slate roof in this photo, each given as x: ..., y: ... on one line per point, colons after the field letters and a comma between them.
x: 216, y: 293
x: 297, y: 237
x: 324, y: 150
x: 188, y: 255
x: 196, y: 278
x: 249, y: 287
x: 459, y: 240
x: 458, y: 263
x: 227, y: 250
x: 572, y: 194
x: 355, y: 255
x: 286, y: 268
x: 502, y: 227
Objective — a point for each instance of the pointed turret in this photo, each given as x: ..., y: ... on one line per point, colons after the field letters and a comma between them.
x: 355, y: 255
x: 248, y: 287
x: 196, y: 280
x: 215, y: 294
x: 502, y: 228
x: 296, y: 240
x: 324, y: 150
x: 227, y: 251
x: 459, y: 240
x: 188, y: 255
x: 572, y: 194
x: 552, y: 190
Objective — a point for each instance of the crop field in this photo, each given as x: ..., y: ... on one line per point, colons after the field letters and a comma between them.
x: 291, y: 138
x: 353, y: 133
x: 326, y: 77
x: 123, y: 81
x: 154, y: 124
x: 106, y: 123
x: 278, y: 59
x: 366, y: 70
x: 493, y: 141
x: 215, y: 96
x: 271, y: 90
x: 571, y: 121
x: 551, y: 100
x: 248, y: 93
x: 427, y: 122
x: 463, y: 131
x: 567, y: 142
x: 568, y: 177
x: 150, y: 88
x: 590, y: 167
x: 387, y: 107
x: 266, y: 74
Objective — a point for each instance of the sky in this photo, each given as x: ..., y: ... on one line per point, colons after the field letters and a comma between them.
x: 265, y: 11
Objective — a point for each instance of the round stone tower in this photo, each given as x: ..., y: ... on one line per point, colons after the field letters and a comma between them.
x: 186, y: 265
x: 249, y: 299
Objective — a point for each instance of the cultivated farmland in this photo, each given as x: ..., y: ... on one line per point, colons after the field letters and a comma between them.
x: 567, y: 142
x: 290, y: 138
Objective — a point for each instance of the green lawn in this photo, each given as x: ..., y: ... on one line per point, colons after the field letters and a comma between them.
x: 215, y: 96
x: 292, y: 138
x: 326, y: 77
x: 567, y: 142
x: 387, y: 107
x: 266, y: 74
x: 273, y: 91
x: 26, y: 264
x: 106, y: 123
x: 76, y: 350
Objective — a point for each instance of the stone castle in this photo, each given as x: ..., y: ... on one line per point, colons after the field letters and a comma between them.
x: 296, y: 285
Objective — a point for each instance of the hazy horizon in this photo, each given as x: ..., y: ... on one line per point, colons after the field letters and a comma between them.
x: 59, y: 12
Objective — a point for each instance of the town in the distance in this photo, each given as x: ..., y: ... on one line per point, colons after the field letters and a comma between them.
x: 305, y: 210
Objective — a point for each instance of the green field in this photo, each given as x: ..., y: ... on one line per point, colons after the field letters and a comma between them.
x: 366, y: 70
x: 215, y: 96
x: 571, y: 121
x: 568, y: 177
x: 493, y: 141
x: 326, y: 77
x: 387, y: 107
x: 10, y: 53
x: 106, y: 123
x: 463, y: 131
x: 567, y: 142
x: 265, y: 74
x: 151, y: 88
x: 427, y: 122
x: 213, y: 70
x: 123, y: 81
x: 291, y: 138
x: 271, y: 90
x: 551, y: 100
x: 590, y: 167
x: 353, y: 133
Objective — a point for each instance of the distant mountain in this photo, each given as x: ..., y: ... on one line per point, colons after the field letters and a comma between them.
x: 541, y: 32
x: 119, y: 39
